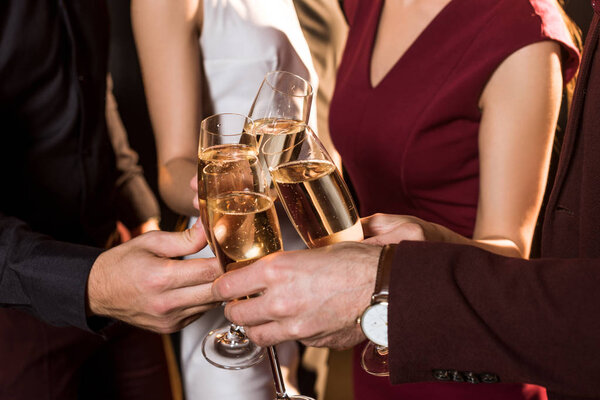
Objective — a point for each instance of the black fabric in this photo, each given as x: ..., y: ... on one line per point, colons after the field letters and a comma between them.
x: 56, y: 162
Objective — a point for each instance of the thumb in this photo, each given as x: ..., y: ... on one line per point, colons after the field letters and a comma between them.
x: 177, y: 244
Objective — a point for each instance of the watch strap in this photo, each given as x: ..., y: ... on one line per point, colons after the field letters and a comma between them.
x: 384, y: 271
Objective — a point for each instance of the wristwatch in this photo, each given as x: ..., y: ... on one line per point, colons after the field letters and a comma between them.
x: 374, y: 320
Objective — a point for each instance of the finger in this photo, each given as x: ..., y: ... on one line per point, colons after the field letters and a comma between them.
x: 396, y: 229
x: 194, y: 183
x: 248, y: 312
x: 268, y: 334
x: 176, y: 244
x: 249, y: 280
x: 191, y: 297
x: 176, y: 323
x: 193, y: 272
x: 383, y: 239
x: 378, y: 224
x: 374, y: 224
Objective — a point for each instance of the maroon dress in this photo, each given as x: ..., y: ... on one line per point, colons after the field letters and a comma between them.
x: 410, y: 144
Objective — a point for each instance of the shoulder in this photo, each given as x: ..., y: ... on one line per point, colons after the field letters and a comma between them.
x: 510, y: 25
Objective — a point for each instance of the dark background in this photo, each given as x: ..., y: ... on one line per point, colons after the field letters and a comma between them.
x: 129, y: 90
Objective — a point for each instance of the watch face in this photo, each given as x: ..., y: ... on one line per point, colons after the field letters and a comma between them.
x: 374, y: 323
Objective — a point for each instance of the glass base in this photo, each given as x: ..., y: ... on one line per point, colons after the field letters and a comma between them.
x: 229, y: 348
x: 375, y: 360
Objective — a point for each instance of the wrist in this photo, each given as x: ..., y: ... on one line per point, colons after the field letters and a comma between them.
x: 374, y: 319
x: 94, y: 289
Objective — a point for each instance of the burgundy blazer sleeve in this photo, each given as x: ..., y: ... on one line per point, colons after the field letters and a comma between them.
x: 44, y: 277
x: 459, y: 308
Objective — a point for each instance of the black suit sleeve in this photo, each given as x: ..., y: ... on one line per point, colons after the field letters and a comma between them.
x: 42, y: 276
x: 459, y: 308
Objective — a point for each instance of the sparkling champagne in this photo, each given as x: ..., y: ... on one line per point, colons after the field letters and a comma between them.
x: 288, y: 129
x: 244, y: 226
x: 318, y: 202
x: 217, y: 153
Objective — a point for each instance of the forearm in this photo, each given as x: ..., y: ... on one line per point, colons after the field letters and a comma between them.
x: 502, y: 246
x: 166, y: 35
x: 460, y: 308
x: 174, y: 185
x: 388, y: 228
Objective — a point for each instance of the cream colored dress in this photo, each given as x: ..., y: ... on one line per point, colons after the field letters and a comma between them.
x: 241, y: 41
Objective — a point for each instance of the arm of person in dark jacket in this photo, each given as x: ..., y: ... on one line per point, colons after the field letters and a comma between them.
x: 139, y: 282
x: 137, y: 206
x: 459, y: 308
x: 42, y: 276
x: 456, y: 311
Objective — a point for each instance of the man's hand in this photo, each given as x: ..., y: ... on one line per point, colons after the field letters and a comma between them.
x: 382, y: 229
x: 138, y: 282
x: 310, y: 295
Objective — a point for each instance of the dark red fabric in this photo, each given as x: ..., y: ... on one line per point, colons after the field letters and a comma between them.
x: 524, y: 320
x: 53, y: 363
x: 410, y: 144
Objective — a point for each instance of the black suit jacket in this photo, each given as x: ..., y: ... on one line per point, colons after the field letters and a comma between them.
x: 460, y: 313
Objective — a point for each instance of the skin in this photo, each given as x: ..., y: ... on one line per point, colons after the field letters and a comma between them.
x: 166, y: 34
x: 320, y: 312
x: 519, y: 107
x: 515, y: 135
x: 140, y: 283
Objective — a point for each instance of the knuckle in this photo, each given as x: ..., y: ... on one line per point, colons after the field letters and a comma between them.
x: 254, y: 335
x: 160, y: 307
x: 271, y: 273
x: 158, y: 281
x: 414, y: 230
x: 257, y: 336
x: 211, y: 272
x: 222, y: 288
x: 295, y: 329
x: 200, y: 297
x: 151, y: 239
x: 279, y: 307
x: 232, y: 314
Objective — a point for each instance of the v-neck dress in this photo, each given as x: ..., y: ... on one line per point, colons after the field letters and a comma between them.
x: 410, y: 143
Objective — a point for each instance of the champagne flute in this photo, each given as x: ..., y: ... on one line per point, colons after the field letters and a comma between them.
x: 311, y: 189
x: 319, y: 204
x: 221, y: 136
x: 282, y: 103
x: 225, y: 137
x: 244, y: 226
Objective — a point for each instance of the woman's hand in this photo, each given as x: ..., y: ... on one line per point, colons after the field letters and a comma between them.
x: 382, y: 229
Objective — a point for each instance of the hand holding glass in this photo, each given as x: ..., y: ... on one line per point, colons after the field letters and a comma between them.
x: 226, y: 155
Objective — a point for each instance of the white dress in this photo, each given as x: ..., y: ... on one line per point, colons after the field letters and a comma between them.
x: 242, y: 40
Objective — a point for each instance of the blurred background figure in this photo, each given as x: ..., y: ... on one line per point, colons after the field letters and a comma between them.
x: 200, y: 58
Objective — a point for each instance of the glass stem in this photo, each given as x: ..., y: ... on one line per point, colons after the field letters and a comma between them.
x: 277, y: 375
x: 235, y: 332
